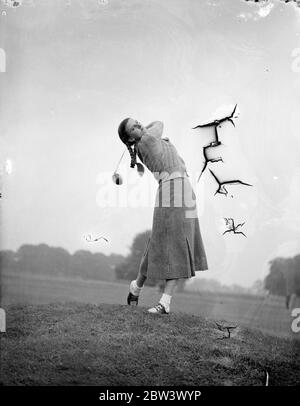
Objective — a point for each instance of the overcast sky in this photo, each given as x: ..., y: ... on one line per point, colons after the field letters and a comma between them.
x: 75, y: 69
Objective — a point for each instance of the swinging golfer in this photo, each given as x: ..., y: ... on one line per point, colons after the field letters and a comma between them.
x: 175, y: 248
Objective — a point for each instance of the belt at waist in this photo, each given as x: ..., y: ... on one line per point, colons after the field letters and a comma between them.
x: 174, y: 175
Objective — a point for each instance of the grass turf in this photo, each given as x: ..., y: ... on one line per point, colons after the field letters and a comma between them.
x: 80, y: 344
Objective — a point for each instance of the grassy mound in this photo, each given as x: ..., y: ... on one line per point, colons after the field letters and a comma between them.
x: 78, y: 344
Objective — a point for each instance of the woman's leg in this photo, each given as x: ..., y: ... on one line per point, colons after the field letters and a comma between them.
x: 135, y: 288
x: 166, y: 297
x: 170, y: 286
x: 168, y: 293
x: 140, y: 280
x: 137, y: 284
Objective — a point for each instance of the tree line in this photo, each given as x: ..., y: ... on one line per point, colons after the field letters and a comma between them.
x: 43, y: 259
x: 284, y: 276
x: 56, y: 261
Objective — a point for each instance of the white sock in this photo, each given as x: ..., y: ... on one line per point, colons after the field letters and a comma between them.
x: 166, y: 301
x: 134, y: 289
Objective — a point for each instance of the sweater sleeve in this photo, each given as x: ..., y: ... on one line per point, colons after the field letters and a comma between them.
x: 155, y: 129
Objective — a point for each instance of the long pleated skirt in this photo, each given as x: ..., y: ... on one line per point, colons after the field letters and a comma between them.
x: 175, y: 248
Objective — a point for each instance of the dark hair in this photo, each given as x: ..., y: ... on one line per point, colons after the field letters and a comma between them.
x: 124, y: 138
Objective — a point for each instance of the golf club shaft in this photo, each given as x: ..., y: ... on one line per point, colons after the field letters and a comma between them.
x: 120, y: 159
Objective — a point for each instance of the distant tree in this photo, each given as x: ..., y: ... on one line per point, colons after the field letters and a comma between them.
x: 34, y: 259
x: 43, y: 259
x: 8, y: 260
x: 80, y: 263
x: 258, y: 287
x: 115, y: 259
x: 87, y: 265
x: 128, y: 269
x: 60, y: 260
x: 297, y: 275
x: 284, y: 276
x: 275, y: 281
x: 103, y: 267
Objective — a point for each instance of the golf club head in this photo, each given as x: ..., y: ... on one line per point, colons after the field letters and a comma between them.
x: 117, y: 178
x: 140, y: 168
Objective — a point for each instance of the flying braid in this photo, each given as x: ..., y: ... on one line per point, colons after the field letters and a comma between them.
x: 132, y: 155
x: 124, y: 138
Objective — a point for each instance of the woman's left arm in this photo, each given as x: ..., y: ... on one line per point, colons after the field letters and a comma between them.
x: 155, y: 128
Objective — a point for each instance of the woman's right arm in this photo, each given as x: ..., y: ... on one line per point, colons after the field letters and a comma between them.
x: 150, y: 145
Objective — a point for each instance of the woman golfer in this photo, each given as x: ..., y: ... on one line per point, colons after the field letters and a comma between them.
x: 175, y: 249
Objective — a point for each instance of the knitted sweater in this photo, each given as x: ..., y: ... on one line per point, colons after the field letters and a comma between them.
x: 159, y: 155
